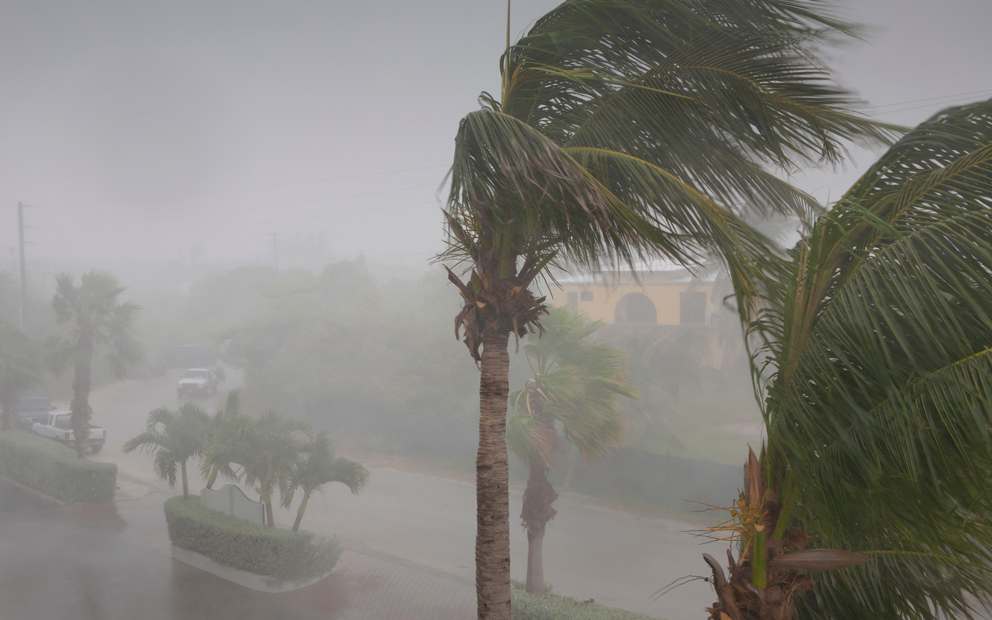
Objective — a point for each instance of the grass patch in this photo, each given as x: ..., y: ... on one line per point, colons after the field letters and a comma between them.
x: 551, y: 606
x: 54, y: 469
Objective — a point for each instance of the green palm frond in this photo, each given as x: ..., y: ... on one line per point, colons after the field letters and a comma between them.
x: 879, y: 368
x: 173, y: 437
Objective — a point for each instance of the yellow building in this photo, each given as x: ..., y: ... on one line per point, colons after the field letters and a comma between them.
x: 664, y: 299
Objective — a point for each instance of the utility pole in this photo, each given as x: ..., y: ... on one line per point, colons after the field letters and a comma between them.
x: 24, y: 280
x: 275, y: 251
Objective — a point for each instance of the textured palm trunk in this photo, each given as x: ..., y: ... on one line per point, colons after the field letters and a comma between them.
x: 492, y: 541
x: 80, y: 405
x: 537, y: 511
x: 299, y: 513
x: 213, y: 476
x: 182, y: 467
x: 266, y: 497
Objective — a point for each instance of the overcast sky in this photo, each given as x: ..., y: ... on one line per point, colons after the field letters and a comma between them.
x: 215, y: 124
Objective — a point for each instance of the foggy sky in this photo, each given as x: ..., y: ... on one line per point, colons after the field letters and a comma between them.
x: 212, y: 125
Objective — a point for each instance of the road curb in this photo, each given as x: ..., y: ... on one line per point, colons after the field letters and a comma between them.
x: 34, y: 492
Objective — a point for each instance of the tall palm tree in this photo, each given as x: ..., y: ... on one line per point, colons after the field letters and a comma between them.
x: 269, y: 454
x: 576, y: 385
x: 173, y: 437
x: 20, y: 369
x: 92, y: 317
x: 877, y: 343
x: 317, y: 466
x: 626, y: 130
x: 226, y: 435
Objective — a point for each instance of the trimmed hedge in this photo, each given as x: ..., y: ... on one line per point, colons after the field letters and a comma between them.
x: 282, y: 554
x: 551, y: 606
x: 54, y: 469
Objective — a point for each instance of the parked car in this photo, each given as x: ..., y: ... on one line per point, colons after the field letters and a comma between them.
x: 33, y: 409
x: 58, y: 426
x: 199, y: 382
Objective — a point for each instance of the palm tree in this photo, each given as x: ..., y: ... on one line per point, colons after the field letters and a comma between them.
x: 626, y: 130
x: 877, y: 342
x: 92, y: 317
x: 173, y: 437
x: 225, y: 440
x: 19, y: 369
x: 319, y: 466
x: 576, y: 384
x: 269, y: 455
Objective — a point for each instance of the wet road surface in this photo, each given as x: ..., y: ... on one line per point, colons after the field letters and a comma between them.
x: 53, y: 566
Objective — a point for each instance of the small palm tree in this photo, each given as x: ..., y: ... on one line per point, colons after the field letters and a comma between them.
x: 319, y: 466
x: 173, y: 437
x: 92, y: 317
x: 19, y: 369
x: 577, y: 385
x: 269, y: 454
x: 225, y: 440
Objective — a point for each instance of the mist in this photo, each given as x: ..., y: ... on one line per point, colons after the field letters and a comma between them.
x: 266, y: 181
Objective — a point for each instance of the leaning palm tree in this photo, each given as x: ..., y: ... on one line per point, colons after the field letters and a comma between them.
x: 20, y: 369
x: 174, y: 437
x: 317, y: 466
x: 877, y: 385
x: 626, y: 130
x: 577, y: 386
x: 269, y: 454
x: 92, y: 317
x: 225, y: 439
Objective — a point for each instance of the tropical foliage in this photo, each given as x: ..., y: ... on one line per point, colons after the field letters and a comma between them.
x: 317, y: 466
x: 576, y: 386
x: 225, y: 437
x: 877, y: 358
x: 92, y: 318
x: 268, y: 455
x: 173, y: 437
x: 20, y: 369
x: 626, y: 130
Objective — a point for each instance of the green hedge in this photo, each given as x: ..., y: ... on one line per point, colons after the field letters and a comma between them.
x: 54, y: 469
x: 553, y: 606
x: 258, y: 549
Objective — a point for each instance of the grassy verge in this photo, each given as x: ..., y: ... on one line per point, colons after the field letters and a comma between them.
x: 551, y: 606
x: 53, y: 469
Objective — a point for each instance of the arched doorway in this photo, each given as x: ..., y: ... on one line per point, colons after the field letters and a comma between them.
x: 635, y: 308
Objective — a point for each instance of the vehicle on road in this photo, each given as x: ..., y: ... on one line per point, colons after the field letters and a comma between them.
x: 199, y: 382
x: 31, y: 409
x: 57, y: 425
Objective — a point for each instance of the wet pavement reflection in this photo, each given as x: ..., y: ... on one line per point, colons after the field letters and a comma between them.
x: 53, y: 566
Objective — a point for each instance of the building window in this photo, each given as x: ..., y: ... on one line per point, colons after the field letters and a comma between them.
x: 573, y: 301
x: 692, y: 308
x: 635, y: 308
x: 586, y: 296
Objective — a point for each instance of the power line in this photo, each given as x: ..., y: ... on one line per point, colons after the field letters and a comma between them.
x: 60, y: 205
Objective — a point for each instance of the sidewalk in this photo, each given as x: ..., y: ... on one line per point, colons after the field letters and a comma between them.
x: 361, y: 587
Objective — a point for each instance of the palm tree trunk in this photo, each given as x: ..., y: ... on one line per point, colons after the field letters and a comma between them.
x: 537, y: 511
x: 268, y: 514
x: 213, y: 476
x: 182, y: 467
x: 80, y: 405
x: 492, y: 541
x: 299, y: 513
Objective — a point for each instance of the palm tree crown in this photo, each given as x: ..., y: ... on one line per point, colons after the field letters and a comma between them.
x: 317, y: 466
x: 173, y: 437
x: 269, y: 454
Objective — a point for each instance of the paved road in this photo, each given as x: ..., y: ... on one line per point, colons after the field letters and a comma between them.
x: 590, y: 552
x: 52, y: 566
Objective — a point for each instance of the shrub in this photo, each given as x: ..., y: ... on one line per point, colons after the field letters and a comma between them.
x: 54, y: 469
x: 552, y: 606
x: 292, y: 556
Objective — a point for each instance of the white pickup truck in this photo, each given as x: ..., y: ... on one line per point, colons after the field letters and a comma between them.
x: 58, y: 426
